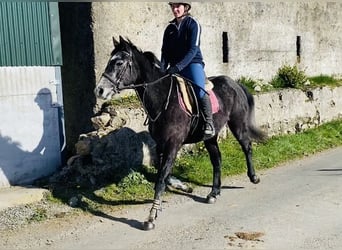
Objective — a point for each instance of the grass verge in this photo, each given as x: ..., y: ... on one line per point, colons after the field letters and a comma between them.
x: 194, y: 167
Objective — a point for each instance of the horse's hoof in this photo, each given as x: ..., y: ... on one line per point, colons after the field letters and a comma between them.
x: 255, y: 179
x: 211, y: 199
x: 148, y: 226
x: 189, y: 190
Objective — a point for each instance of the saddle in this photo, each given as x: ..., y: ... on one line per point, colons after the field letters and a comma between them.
x: 187, y: 97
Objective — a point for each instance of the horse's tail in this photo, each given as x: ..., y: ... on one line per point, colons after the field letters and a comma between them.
x: 253, y: 131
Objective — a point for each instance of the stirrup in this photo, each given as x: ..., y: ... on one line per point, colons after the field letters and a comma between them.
x: 209, y: 130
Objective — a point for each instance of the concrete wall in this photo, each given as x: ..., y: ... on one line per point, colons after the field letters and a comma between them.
x: 261, y: 38
x: 261, y: 35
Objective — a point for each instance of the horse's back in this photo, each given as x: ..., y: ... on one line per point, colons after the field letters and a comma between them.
x: 223, y: 81
x: 229, y: 91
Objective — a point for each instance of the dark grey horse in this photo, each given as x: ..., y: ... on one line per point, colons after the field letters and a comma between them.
x: 169, y: 125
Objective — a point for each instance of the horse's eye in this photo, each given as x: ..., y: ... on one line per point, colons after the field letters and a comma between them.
x: 119, y: 63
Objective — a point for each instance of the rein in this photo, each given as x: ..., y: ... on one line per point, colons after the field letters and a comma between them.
x: 118, y: 88
x: 133, y: 86
x: 165, y: 105
x: 145, y: 84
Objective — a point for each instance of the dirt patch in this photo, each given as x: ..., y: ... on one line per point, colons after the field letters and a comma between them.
x: 250, y: 236
x: 244, y: 239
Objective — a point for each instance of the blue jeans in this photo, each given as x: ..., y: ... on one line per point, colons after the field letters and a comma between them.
x: 195, y: 73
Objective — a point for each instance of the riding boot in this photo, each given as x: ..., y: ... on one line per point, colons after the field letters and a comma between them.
x: 205, y: 105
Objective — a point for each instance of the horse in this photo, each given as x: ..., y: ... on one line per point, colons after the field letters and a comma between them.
x: 170, y: 125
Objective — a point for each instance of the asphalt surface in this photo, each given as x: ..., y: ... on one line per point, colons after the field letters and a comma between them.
x: 296, y: 206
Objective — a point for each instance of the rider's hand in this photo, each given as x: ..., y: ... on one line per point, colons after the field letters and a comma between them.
x: 173, y: 70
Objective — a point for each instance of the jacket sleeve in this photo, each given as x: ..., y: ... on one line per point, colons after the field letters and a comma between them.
x: 164, y: 61
x: 194, y: 33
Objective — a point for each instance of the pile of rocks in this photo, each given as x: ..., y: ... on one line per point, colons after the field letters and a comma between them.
x: 110, y: 151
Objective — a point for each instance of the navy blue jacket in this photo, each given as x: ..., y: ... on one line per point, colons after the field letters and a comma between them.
x: 181, y: 45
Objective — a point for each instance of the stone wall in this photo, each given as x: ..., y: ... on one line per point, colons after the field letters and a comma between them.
x: 284, y: 111
x: 289, y: 111
x: 121, y: 143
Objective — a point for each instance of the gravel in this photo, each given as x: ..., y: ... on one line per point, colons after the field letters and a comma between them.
x: 19, y: 216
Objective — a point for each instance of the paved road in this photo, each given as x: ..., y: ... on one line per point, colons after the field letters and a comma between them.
x: 296, y: 206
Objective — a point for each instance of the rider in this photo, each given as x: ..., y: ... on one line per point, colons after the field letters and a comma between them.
x: 181, y: 51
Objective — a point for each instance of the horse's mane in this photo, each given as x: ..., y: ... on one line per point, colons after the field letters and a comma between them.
x: 152, y: 58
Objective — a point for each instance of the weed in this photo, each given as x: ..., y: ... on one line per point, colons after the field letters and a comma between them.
x: 130, y: 101
x: 254, y: 86
x: 289, y: 77
x: 39, y: 214
x: 132, y: 179
x: 249, y: 83
x: 134, y: 186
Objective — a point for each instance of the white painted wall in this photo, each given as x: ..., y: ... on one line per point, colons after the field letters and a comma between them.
x: 31, y: 125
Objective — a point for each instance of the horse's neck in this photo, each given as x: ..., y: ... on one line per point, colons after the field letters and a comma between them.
x: 155, y: 96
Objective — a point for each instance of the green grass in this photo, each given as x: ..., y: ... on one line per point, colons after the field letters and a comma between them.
x: 324, y: 80
x: 132, y: 187
x: 39, y: 214
x: 127, y: 101
x: 196, y: 167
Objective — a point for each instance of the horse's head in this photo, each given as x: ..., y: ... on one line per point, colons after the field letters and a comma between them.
x: 119, y: 73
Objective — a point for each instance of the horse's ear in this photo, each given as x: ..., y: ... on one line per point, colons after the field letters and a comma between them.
x: 122, y: 40
x: 115, y: 42
x: 125, y: 45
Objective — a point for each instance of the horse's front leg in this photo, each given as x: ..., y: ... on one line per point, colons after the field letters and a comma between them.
x: 215, y: 158
x: 163, y: 172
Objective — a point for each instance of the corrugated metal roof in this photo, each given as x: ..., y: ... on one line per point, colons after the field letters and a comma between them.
x: 29, y: 34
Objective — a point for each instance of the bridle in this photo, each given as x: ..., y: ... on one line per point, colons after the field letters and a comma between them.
x: 116, y: 85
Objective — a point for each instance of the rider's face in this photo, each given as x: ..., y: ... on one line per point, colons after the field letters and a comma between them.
x: 178, y: 10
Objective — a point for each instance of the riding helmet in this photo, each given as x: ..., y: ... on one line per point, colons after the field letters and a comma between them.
x: 184, y: 3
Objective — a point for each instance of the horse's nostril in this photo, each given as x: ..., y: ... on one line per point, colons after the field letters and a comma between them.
x: 100, y: 91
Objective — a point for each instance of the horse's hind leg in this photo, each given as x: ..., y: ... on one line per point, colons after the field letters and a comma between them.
x: 241, y: 134
x: 215, y: 158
